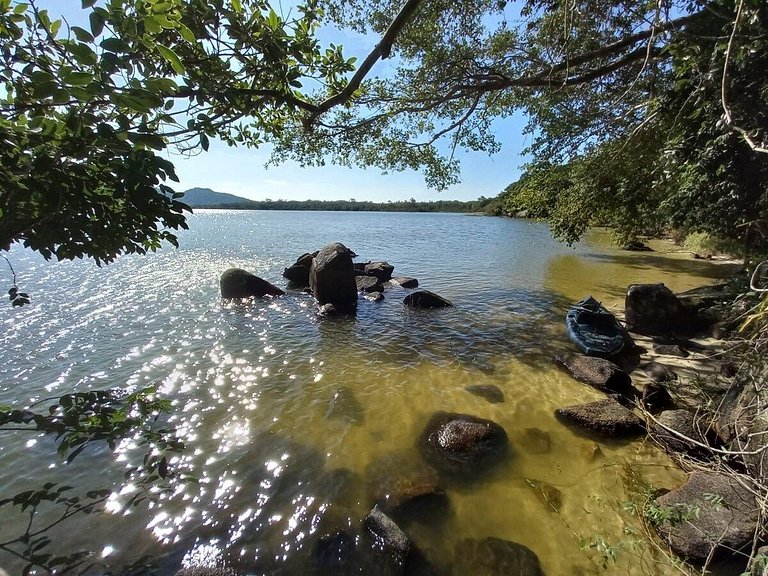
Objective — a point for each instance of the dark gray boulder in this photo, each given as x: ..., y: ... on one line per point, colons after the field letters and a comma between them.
x: 685, y: 424
x: 238, y: 283
x: 495, y: 557
x: 653, y: 309
x: 297, y: 275
x: 599, y: 373
x: 380, y: 270
x: 368, y: 284
x: 636, y: 246
x: 332, y: 277
x: 405, y: 282
x: 671, y: 350
x: 425, y: 299
x: 298, y: 272
x: 489, y: 392
x: 656, y: 398
x: 711, y: 510
x: 462, y: 445
x: 387, y: 537
x: 604, y: 417
x: 659, y: 372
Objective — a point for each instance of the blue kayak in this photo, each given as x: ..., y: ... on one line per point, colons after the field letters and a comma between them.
x: 594, y: 330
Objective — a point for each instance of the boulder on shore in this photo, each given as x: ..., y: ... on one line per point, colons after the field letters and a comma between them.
x: 239, y: 283
x: 672, y: 425
x: 425, y: 299
x: 599, y: 373
x: 711, y: 510
x: 332, y: 277
x: 653, y: 309
x: 462, y: 445
x: 604, y: 417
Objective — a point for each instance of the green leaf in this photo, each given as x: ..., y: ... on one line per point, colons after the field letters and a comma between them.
x: 79, y: 79
x: 82, y: 34
x: 172, y: 58
x: 186, y: 33
x: 97, y: 20
x: 88, y: 3
x: 237, y: 6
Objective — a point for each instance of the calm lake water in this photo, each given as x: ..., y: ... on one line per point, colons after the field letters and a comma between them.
x: 252, y: 385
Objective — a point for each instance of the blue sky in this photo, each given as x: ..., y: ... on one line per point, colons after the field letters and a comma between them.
x: 242, y: 171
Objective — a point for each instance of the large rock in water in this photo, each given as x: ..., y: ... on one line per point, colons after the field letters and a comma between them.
x: 603, y: 417
x: 238, y: 283
x: 332, y: 276
x: 598, y: 373
x: 425, y: 299
x: 462, y: 445
x: 654, y: 310
x: 711, y: 510
x: 495, y: 557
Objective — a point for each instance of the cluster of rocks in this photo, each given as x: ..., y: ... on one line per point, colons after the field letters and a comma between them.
x: 724, y: 514
x: 453, y: 451
x: 335, y: 281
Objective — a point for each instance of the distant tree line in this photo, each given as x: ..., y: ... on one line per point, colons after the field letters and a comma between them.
x: 482, y: 205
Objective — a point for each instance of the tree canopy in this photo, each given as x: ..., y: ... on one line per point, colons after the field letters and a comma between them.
x: 644, y: 114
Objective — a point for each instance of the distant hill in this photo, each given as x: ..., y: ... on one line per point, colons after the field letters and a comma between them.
x: 207, y: 198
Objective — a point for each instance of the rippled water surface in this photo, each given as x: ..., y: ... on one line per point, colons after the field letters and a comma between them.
x: 292, y: 422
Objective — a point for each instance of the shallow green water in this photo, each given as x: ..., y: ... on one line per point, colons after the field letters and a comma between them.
x: 252, y: 386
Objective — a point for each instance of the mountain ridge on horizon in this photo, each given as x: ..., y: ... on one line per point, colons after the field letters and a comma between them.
x: 201, y: 198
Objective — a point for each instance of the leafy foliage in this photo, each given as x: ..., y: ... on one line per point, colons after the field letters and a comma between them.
x: 77, y: 421
x: 86, y: 113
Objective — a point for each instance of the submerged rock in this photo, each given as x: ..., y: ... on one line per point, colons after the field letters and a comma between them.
x: 387, y: 537
x: 426, y: 299
x: 536, y: 441
x: 395, y: 480
x: 238, y: 283
x: 711, y: 510
x: 547, y: 494
x: 495, y: 557
x: 489, y: 392
x: 604, y: 417
x: 462, y: 445
x: 334, y: 550
x: 344, y: 405
x: 206, y: 571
